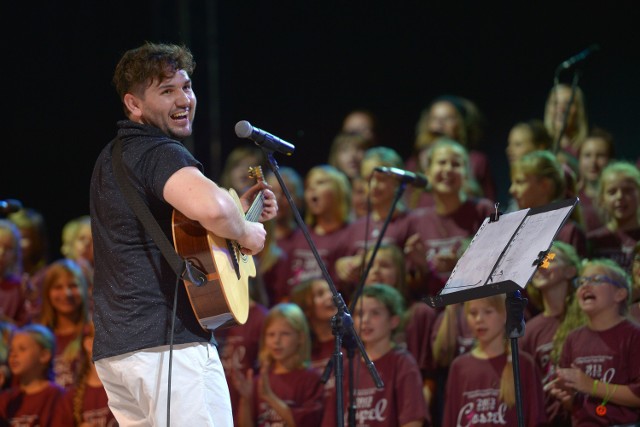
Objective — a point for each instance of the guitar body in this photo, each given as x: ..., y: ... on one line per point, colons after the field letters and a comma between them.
x: 223, y: 300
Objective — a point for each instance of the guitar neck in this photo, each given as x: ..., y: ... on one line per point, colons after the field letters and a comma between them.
x: 253, y: 214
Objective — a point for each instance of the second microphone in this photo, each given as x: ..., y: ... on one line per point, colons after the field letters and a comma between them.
x: 408, y: 177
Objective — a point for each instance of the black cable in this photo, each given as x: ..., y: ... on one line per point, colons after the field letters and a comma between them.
x: 173, y: 325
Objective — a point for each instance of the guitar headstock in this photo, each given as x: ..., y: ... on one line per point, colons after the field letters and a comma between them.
x: 255, y: 172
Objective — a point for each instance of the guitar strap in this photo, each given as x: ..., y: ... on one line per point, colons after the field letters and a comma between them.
x: 183, y: 268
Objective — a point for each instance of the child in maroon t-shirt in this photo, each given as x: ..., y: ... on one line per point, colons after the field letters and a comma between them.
x: 316, y: 300
x: 377, y: 315
x: 480, y: 385
x: 88, y: 398
x: 599, y: 377
x: 327, y: 215
x: 366, y: 231
x: 36, y: 400
x: 552, y: 289
x: 239, y: 347
x: 441, y: 230
x: 619, y: 201
x: 286, y: 390
x: 389, y: 268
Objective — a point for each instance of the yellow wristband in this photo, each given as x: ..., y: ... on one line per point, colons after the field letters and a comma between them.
x: 594, y: 388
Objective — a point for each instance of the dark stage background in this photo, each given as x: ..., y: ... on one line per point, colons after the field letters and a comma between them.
x: 295, y: 69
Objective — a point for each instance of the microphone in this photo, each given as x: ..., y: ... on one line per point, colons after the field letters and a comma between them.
x: 260, y: 137
x: 579, y: 57
x: 10, y: 206
x: 415, y: 179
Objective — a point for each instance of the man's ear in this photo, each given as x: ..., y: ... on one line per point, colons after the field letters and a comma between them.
x: 133, y: 105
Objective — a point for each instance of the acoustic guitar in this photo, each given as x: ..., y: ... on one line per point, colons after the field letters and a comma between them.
x: 223, y: 300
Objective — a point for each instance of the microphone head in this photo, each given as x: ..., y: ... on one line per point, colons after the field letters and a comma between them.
x: 243, y: 129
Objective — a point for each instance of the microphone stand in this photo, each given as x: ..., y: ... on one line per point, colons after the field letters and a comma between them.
x: 401, y: 188
x: 349, y: 345
x: 341, y: 321
x: 565, y: 118
x: 515, y: 329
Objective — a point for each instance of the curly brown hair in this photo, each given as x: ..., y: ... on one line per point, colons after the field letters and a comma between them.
x: 140, y: 67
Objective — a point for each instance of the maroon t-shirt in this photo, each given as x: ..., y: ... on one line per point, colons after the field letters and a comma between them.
x: 276, y: 277
x: 47, y: 408
x: 417, y: 336
x: 444, y: 234
x: 398, y: 402
x: 303, y: 264
x: 473, y: 390
x: 464, y: 334
x: 239, y: 347
x: 65, y: 367
x: 590, y: 214
x: 538, y: 342
x: 610, y: 356
x: 398, y: 230
x: 321, y: 354
x: 615, y: 245
x: 574, y: 234
x: 301, y: 390
x: 95, y: 407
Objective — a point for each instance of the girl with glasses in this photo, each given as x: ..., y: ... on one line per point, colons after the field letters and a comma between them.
x: 599, y: 377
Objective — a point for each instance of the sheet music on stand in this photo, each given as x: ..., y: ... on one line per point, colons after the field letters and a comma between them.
x: 504, y: 254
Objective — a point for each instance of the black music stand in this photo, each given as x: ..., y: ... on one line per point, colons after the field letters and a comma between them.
x: 502, y: 257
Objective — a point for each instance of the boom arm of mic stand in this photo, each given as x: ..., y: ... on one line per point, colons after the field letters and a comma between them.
x: 343, y: 321
x: 365, y: 273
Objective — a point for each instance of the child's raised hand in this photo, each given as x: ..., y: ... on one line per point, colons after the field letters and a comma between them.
x: 348, y: 268
x: 264, y: 386
x: 415, y: 251
x: 243, y: 382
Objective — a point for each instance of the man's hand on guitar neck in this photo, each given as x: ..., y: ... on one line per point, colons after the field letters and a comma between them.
x: 270, y: 205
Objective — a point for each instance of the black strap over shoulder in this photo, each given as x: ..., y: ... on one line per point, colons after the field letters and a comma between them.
x: 183, y: 268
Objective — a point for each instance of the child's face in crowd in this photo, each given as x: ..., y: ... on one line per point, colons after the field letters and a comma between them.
x: 620, y: 197
x: 529, y: 191
x: 447, y: 170
x: 594, y: 156
x: 284, y: 209
x: 382, y: 186
x: 324, y: 308
x: 65, y: 294
x: 598, y: 295
x: 520, y: 142
x: 82, y: 246
x: 444, y: 120
x: 282, y: 341
x: 558, y: 272
x: 383, y: 269
x: 562, y: 99
x: 26, y: 356
x: 358, y: 197
x: 320, y: 194
x: 349, y: 158
x: 486, y: 322
x: 373, y: 321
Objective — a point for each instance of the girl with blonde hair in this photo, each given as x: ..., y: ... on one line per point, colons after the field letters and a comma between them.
x: 480, y: 386
x: 286, y: 390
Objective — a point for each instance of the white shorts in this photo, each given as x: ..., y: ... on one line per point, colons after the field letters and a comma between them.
x: 137, y: 384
